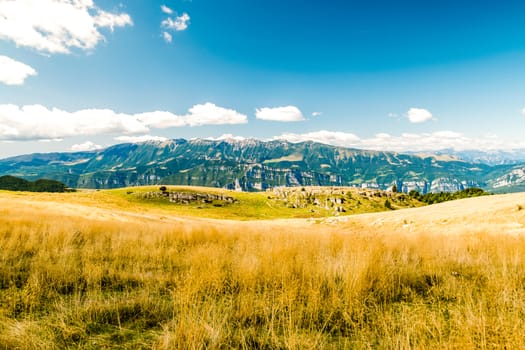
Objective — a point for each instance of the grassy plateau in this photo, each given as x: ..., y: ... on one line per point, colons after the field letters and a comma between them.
x: 108, y: 269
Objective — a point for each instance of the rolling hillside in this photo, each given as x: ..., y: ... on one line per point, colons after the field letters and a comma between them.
x: 213, y: 203
x: 96, y: 269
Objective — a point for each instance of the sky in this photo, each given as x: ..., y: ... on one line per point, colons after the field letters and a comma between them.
x: 401, y: 75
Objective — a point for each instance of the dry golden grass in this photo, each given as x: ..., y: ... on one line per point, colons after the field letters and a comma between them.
x: 84, y: 276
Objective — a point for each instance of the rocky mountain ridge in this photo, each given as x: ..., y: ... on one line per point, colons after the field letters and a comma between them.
x: 254, y: 165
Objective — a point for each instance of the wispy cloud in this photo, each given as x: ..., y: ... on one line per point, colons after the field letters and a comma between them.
x: 166, y: 9
x: 56, y: 26
x: 317, y: 114
x: 180, y: 23
x: 323, y: 136
x: 13, y: 72
x: 86, y: 146
x: 139, y: 139
x: 167, y: 37
x: 280, y: 114
x: 36, y: 122
x: 227, y: 137
x: 407, y: 142
x: 419, y: 115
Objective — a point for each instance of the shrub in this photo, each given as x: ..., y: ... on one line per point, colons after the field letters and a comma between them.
x: 12, y: 183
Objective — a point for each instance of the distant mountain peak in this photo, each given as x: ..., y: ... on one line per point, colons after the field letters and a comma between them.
x: 254, y: 165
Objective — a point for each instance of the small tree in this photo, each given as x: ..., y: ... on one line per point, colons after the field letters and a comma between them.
x: 163, y: 188
x: 388, y: 205
x: 414, y: 194
x: 394, y: 188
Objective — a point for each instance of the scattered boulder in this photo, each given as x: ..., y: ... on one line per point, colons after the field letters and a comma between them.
x: 190, y: 197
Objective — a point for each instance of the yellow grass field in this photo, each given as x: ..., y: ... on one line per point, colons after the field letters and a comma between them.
x: 80, y: 272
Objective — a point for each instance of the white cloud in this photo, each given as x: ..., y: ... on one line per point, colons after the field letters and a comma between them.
x: 139, y: 139
x: 36, y: 122
x: 383, y: 135
x: 335, y: 138
x: 50, y: 140
x: 86, y: 146
x: 407, y: 142
x: 419, y: 115
x: 180, y: 23
x: 203, y: 114
x: 227, y: 137
x: 13, y: 72
x: 523, y: 111
x: 109, y: 20
x: 56, y: 26
x: 317, y: 114
x: 210, y: 114
x: 167, y: 37
x: 280, y: 114
x: 448, y: 135
x: 166, y: 9
x: 160, y: 120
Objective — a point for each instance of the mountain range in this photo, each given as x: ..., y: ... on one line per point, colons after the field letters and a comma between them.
x: 254, y: 165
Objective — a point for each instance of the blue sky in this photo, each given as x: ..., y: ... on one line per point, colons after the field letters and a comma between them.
x: 403, y: 75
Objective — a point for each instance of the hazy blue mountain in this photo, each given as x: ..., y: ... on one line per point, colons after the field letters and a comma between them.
x: 254, y: 165
x: 495, y: 157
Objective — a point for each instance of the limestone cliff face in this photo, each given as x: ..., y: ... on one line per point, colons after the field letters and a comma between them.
x: 253, y: 165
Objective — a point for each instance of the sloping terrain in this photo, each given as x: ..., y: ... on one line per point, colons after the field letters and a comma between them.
x: 497, y: 214
x: 213, y: 203
x: 94, y: 269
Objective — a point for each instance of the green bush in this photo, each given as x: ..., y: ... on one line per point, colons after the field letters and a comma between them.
x: 433, y: 198
x: 12, y: 183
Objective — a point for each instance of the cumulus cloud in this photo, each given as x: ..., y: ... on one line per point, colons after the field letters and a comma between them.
x: 198, y: 115
x: 280, y: 114
x: 56, y: 26
x: 160, y: 119
x: 36, y: 122
x: 419, y: 115
x: 166, y: 9
x: 180, y: 23
x: 167, y: 37
x: 86, y: 146
x: 139, y: 139
x: 210, y: 114
x: 406, y: 142
x: 13, y: 72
